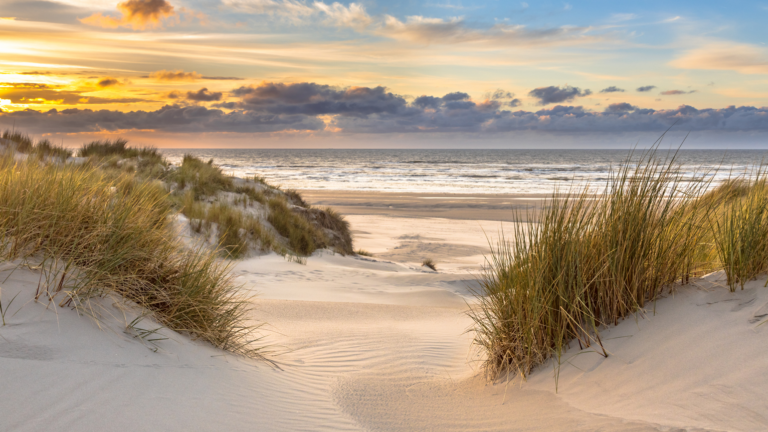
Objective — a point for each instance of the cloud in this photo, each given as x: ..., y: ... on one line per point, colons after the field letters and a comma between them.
x: 179, y: 75
x: 619, y: 107
x: 203, y: 95
x: 416, y: 28
x: 318, y: 99
x: 504, y: 98
x: 611, y: 89
x: 137, y: 14
x: 108, y: 82
x: 291, y: 10
x: 312, y: 107
x: 219, y: 78
x: 338, y: 15
x: 41, y: 94
x: 646, y: 88
x: 742, y: 58
x: 295, y: 11
x: 454, y: 31
x: 170, y: 118
x: 555, y: 94
x: 676, y: 92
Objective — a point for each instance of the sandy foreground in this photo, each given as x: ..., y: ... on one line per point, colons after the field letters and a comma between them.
x: 381, y: 344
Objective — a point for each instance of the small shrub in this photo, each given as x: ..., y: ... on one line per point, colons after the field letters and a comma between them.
x: 205, y: 179
x: 295, y: 198
x: 299, y: 232
x: 363, y: 252
x: 251, y: 193
x: 330, y: 219
x: 429, y: 263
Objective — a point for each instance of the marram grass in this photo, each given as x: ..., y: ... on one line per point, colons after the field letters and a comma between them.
x: 94, y: 234
x: 589, y: 261
x: 740, y: 228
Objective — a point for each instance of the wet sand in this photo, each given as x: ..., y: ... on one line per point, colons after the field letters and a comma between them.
x: 489, y: 207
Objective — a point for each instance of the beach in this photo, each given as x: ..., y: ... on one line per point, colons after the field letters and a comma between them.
x: 382, y: 343
x: 383, y: 216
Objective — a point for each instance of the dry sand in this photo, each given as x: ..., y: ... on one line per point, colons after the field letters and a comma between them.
x: 381, y: 344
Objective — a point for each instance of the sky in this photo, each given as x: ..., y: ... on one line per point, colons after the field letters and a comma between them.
x: 386, y: 74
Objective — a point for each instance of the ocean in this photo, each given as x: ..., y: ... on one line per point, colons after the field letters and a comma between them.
x: 453, y: 171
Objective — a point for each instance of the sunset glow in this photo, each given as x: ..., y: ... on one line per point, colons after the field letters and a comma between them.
x: 275, y: 73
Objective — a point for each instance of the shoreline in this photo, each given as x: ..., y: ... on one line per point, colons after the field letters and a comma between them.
x: 488, y: 207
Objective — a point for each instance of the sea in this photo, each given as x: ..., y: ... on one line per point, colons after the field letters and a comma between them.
x: 458, y: 171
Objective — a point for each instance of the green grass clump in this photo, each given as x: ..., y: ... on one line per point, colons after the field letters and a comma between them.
x: 590, y: 260
x: 119, y: 147
x: 740, y: 231
x: 45, y: 149
x: 300, y: 233
x: 235, y: 228
x: 332, y: 220
x: 42, y: 149
x: 295, y: 198
x: 204, y: 178
x: 251, y: 193
x: 94, y: 234
x: 24, y: 143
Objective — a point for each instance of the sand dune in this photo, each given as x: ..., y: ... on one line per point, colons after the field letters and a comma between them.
x: 381, y: 344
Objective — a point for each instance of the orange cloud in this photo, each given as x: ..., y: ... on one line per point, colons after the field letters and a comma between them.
x: 137, y: 14
x: 742, y: 58
x: 179, y: 75
x: 108, y: 82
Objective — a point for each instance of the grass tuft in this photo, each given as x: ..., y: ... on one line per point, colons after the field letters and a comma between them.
x: 94, y: 234
x: 300, y: 233
x: 204, y: 179
x: 740, y: 231
x: 429, y: 263
x: 589, y: 261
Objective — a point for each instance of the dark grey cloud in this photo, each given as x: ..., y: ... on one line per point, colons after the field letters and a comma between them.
x: 108, y: 82
x: 555, y: 94
x: 619, y: 107
x: 676, y: 92
x: 203, y: 95
x: 170, y: 118
x: 504, y: 97
x: 456, y: 96
x: 646, y: 88
x: 427, y: 102
x: 500, y: 94
x: 611, y: 89
x: 225, y: 105
x: 316, y: 99
x: 271, y: 107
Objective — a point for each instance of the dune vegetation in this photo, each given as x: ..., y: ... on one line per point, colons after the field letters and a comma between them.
x: 589, y: 260
x: 92, y: 234
x: 105, y: 223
